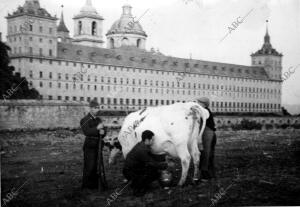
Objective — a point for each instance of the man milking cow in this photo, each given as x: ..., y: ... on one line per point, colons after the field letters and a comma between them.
x: 93, y: 129
x: 140, y: 168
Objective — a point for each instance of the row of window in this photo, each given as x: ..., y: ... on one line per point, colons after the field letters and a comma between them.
x: 31, y: 51
x: 85, y: 67
x: 126, y: 81
x: 29, y: 28
x: 277, y: 62
x: 139, y: 90
x: 10, y: 39
x: 152, y: 102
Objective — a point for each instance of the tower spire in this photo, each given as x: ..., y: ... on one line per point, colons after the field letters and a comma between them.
x: 62, y: 26
x: 267, y: 36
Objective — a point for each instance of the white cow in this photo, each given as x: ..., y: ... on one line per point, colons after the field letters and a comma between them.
x: 176, y: 132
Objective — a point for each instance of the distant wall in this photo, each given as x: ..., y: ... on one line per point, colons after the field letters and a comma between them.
x: 49, y: 114
x: 34, y: 114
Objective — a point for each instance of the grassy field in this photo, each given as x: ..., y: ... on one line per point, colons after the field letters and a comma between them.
x: 44, y: 168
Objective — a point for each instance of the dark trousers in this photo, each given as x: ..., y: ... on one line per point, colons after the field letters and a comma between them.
x: 209, y: 140
x: 90, y: 151
x: 141, y: 178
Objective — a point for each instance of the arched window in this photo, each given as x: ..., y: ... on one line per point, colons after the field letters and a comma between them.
x: 124, y: 41
x: 138, y: 43
x: 79, y: 27
x: 112, y: 43
x: 94, y: 28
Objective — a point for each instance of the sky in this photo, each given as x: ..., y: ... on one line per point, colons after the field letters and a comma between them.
x: 196, y: 28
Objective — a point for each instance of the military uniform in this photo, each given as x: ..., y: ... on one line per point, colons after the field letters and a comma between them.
x: 90, y: 149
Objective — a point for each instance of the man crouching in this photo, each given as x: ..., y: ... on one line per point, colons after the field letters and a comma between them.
x: 140, y: 168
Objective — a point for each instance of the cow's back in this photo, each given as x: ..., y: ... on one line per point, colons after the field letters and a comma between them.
x: 171, y: 124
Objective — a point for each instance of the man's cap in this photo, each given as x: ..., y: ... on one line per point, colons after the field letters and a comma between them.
x: 94, y: 103
x: 204, y: 101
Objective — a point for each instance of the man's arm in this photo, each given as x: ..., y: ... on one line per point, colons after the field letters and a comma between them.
x: 87, y: 130
x: 150, y: 162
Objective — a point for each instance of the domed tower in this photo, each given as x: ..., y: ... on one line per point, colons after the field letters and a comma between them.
x: 88, y: 26
x: 126, y: 31
x: 268, y: 58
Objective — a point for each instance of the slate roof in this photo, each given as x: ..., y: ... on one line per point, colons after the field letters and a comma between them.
x: 267, y: 48
x: 62, y: 26
x: 32, y: 8
x: 137, y: 58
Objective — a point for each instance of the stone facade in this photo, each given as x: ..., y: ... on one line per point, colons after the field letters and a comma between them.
x: 126, y: 75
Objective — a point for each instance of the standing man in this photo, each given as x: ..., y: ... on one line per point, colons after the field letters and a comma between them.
x: 140, y: 168
x: 209, y: 139
x: 92, y: 128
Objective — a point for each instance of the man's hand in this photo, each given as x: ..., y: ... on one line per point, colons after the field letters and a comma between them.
x: 100, y: 126
x: 171, y: 164
x: 101, y: 132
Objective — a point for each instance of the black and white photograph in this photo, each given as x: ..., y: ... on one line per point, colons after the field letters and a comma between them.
x: 139, y: 103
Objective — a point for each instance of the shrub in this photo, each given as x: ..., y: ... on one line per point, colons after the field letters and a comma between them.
x: 296, y: 126
x: 284, y: 126
x: 246, y: 125
x: 269, y: 126
x: 249, y: 125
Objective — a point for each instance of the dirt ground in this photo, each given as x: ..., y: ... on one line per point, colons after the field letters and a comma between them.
x: 44, y: 168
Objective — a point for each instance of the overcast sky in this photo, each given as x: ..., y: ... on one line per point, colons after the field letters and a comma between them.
x: 183, y: 27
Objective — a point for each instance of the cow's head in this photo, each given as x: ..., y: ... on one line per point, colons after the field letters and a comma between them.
x: 114, y: 148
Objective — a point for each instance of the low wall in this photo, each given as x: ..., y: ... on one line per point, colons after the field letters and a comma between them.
x: 35, y: 114
x: 48, y: 114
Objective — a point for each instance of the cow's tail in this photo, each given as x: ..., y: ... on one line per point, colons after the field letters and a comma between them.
x: 202, y: 130
x: 203, y: 116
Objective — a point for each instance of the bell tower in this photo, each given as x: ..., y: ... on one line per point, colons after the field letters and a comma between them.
x: 88, y: 26
x: 31, y: 30
x: 268, y: 58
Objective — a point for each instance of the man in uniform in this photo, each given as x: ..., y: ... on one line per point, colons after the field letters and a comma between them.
x: 140, y: 168
x: 209, y: 139
x: 92, y: 128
